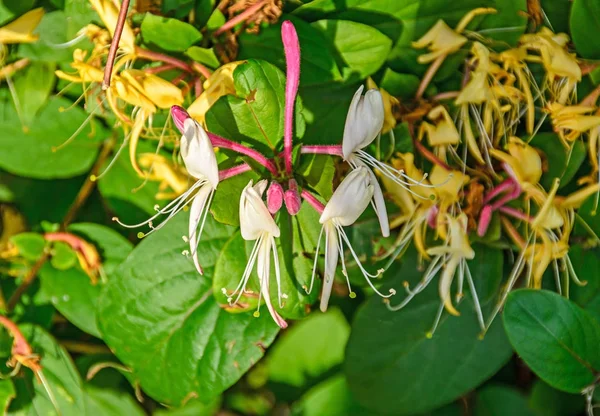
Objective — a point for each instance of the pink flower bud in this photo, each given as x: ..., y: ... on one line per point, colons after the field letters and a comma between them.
x: 274, y: 197
x: 292, y: 198
x: 179, y: 116
x: 484, y: 220
x: 432, y: 216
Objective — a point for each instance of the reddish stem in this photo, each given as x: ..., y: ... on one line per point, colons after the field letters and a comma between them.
x: 158, y: 69
x: 513, y: 212
x: 236, y: 170
x: 241, y: 17
x: 157, y: 56
x: 114, y: 44
x: 291, y: 47
x: 198, y: 87
x: 429, y: 156
x: 334, y: 149
x: 313, y: 201
x: 219, y: 141
x: 204, y: 71
x: 505, y: 186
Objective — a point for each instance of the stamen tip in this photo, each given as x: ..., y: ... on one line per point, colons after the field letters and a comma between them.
x: 256, y: 314
x: 352, y: 295
x: 429, y: 335
x: 93, y: 178
x: 141, y: 235
x: 392, y: 292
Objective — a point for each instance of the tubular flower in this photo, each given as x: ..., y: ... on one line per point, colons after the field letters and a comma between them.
x: 219, y: 84
x: 201, y: 163
x: 21, y: 29
x: 109, y: 13
x: 161, y: 170
x: 442, y: 134
x: 347, y: 203
x: 452, y: 258
x: 256, y: 224
x: 87, y: 255
x: 570, y: 122
x: 562, y: 71
x: 522, y: 162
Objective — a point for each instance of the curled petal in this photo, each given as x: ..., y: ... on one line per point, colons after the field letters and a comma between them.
x: 331, y: 259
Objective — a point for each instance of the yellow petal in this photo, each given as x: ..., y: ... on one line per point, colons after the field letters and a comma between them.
x: 446, y: 282
x: 440, y: 40
x: 444, y: 131
x: 161, y: 92
x: 578, y: 197
x: 131, y: 95
x: 448, y: 184
x: 109, y: 14
x: 21, y: 29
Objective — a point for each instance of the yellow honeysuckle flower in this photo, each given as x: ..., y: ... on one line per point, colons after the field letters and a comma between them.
x: 162, y: 93
x: 441, y: 40
x: 219, y: 84
x: 109, y: 14
x: 21, y: 29
x: 524, y: 161
x: 457, y: 250
x: 86, y: 73
x: 443, y: 132
x: 574, y: 200
x: 572, y: 121
x: 447, y: 184
x: 169, y: 174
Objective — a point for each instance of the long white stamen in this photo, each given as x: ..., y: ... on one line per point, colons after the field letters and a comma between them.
x: 312, y: 279
x: 277, y: 271
x: 113, y: 161
x: 436, y: 322
x: 475, y: 297
x: 432, y: 270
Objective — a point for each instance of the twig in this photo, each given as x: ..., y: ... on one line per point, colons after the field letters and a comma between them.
x: 8, y: 70
x: 84, y: 348
x: 241, y: 17
x: 433, y: 68
x: 114, y: 44
x: 27, y: 281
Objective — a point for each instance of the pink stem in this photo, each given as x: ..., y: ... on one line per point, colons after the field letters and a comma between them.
x: 198, y: 67
x: 334, y: 149
x: 241, y: 17
x: 114, y: 44
x: 313, y: 201
x: 503, y: 187
x: 484, y: 220
x: 179, y: 78
x: 198, y: 87
x: 515, y: 192
x: 219, y: 141
x: 158, y: 69
x: 515, y: 213
x: 291, y: 47
x: 157, y: 56
x: 236, y: 170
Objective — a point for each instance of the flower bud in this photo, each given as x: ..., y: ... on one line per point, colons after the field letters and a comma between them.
x: 179, y: 116
x: 292, y: 198
x: 274, y: 197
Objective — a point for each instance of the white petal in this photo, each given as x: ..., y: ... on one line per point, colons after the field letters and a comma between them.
x: 196, y: 210
x: 379, y: 205
x: 364, y: 121
x: 446, y: 282
x: 255, y: 218
x: 350, y: 198
x: 198, y: 153
x: 263, y: 269
x: 331, y: 259
x: 350, y: 139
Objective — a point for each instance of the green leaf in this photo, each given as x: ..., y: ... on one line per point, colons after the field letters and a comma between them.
x: 60, y: 374
x: 205, y: 56
x: 560, y: 164
x: 385, y: 346
x: 30, y: 245
x: 318, y: 171
x: 7, y: 393
x: 73, y: 295
x: 30, y: 153
x: 555, y: 337
x: 256, y: 114
x: 496, y: 399
x: 128, y: 196
x: 169, y: 34
x: 558, y: 14
x: 585, y: 19
x: 216, y: 20
x: 317, y: 64
x: 296, y: 271
x: 546, y: 401
x: 52, y: 31
x: 107, y: 402
x: 192, y: 408
x: 400, y: 85
x: 63, y: 256
x: 33, y: 86
x: 586, y: 263
x: 508, y: 24
x: 362, y: 48
x: 225, y: 205
x: 160, y: 319
x: 10, y: 9
x: 309, y: 349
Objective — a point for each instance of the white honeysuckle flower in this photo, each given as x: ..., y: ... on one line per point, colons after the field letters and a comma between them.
x: 363, y: 125
x: 257, y: 224
x: 201, y: 163
x: 348, y: 202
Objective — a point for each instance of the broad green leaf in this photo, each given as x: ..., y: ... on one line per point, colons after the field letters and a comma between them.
x: 508, y: 24
x: 169, y: 34
x: 52, y: 31
x: 33, y: 153
x: 127, y: 195
x: 586, y: 263
x: 107, y: 402
x: 205, y: 56
x: 192, y: 408
x: 215, y: 20
x: 73, y: 295
x: 33, y: 86
x: 557, y: 13
x: 62, y: 380
x: 296, y: 270
x: 583, y: 21
x: 317, y: 64
x: 400, y: 85
x: 362, y: 48
x: 309, y: 349
x: 30, y: 245
x: 318, y: 171
x: 256, y: 114
x: 495, y: 399
x: 203, y: 9
x: 159, y: 317
x: 7, y: 393
x: 546, y: 401
x: 560, y: 164
x: 63, y: 256
x: 555, y: 337
x: 394, y: 368
x: 10, y: 9
x: 225, y: 206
